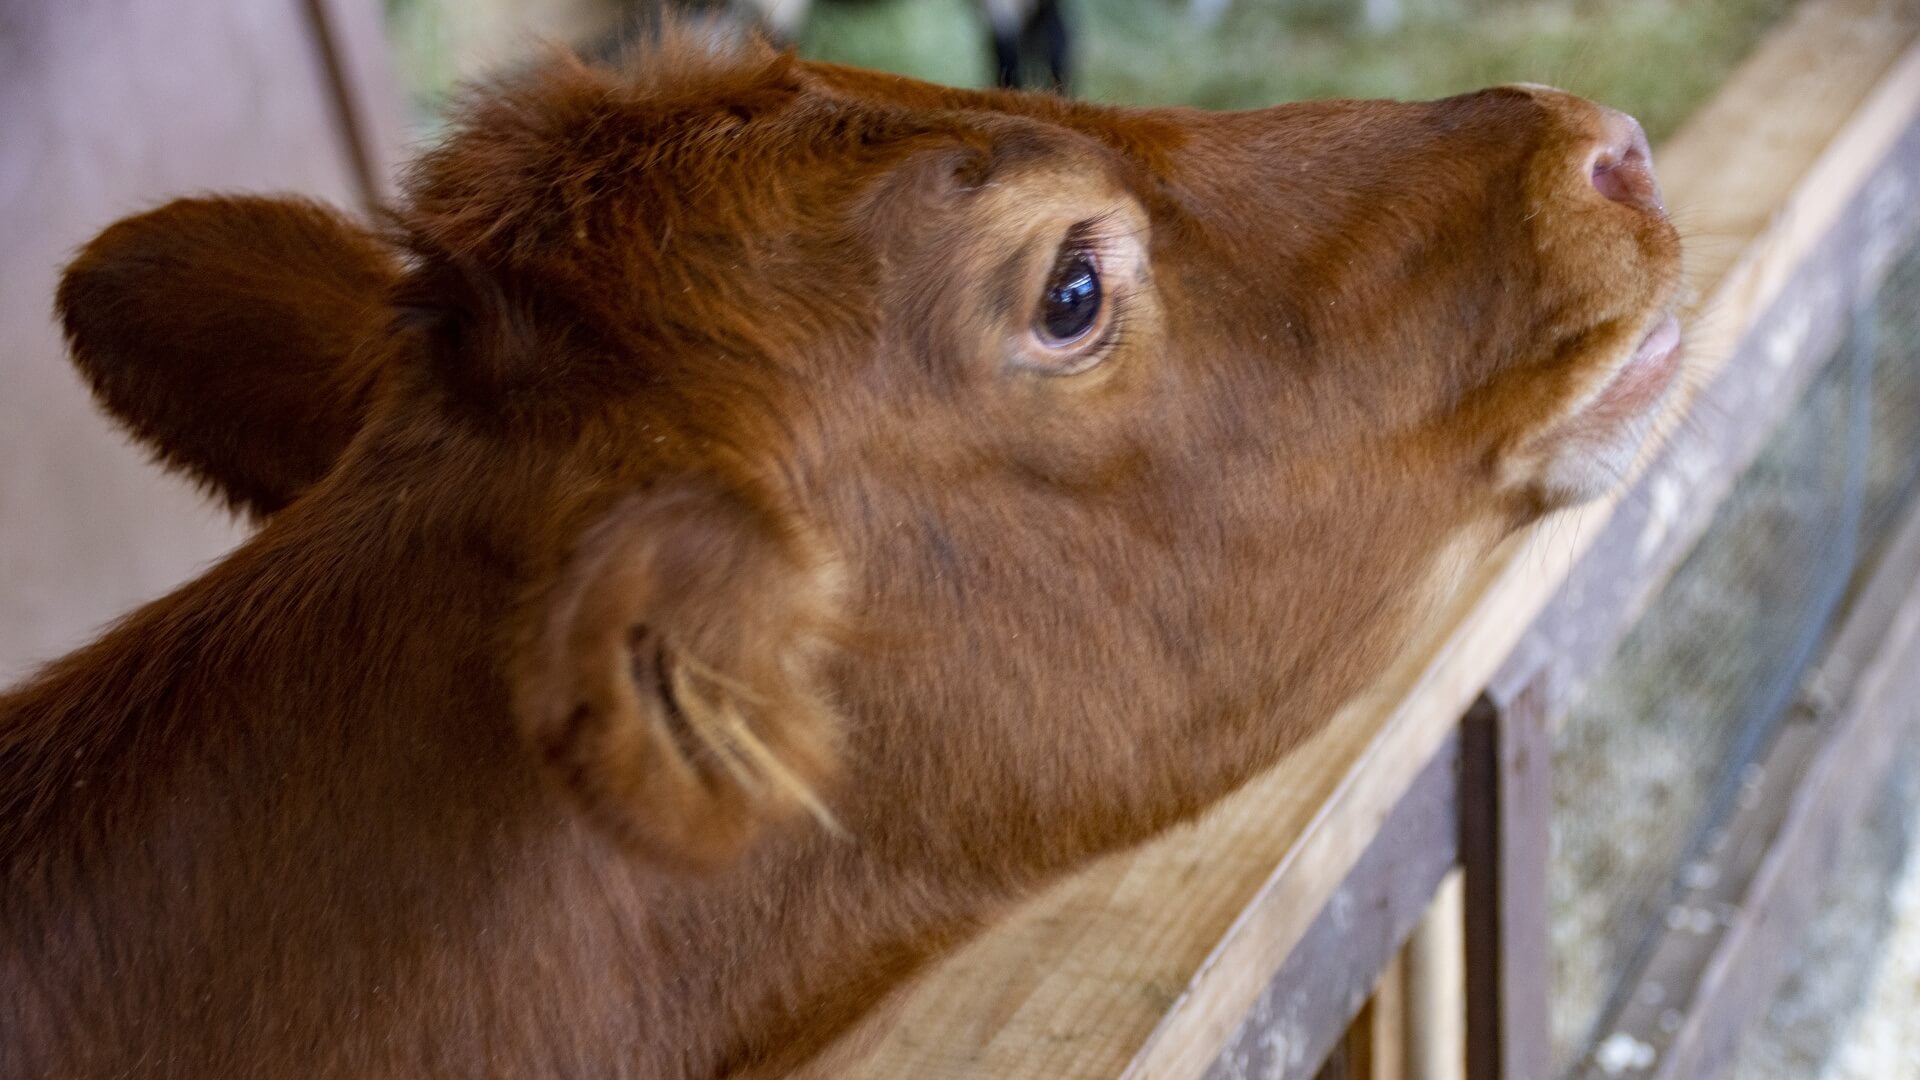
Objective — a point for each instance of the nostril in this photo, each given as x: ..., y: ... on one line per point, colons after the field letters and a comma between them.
x: 1622, y: 164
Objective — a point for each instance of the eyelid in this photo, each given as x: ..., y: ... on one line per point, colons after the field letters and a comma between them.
x: 1096, y: 235
x: 1082, y: 236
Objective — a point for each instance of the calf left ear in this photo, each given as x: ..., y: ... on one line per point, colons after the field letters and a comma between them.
x: 233, y: 337
x: 669, y: 679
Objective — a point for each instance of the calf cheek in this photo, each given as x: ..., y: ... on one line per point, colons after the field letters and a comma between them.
x: 1324, y: 565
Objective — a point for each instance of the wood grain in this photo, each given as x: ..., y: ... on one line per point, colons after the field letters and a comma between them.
x: 1436, y: 988
x: 1349, y: 952
x: 1142, y: 965
x: 1506, y: 848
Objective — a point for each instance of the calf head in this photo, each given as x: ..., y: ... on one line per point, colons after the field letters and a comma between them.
x: 1001, y: 477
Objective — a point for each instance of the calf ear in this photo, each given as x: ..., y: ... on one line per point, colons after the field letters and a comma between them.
x: 669, y: 679
x: 231, y: 336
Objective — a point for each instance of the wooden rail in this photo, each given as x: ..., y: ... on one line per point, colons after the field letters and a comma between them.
x: 1145, y: 964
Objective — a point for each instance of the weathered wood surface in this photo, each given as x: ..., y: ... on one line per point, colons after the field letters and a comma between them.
x: 1145, y: 964
x: 108, y: 107
x: 1506, y: 847
x: 1374, y: 1046
x: 1299, y: 1017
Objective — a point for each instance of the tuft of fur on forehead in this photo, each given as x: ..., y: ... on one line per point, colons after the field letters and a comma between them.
x: 586, y: 230
x: 527, y: 163
x: 575, y: 212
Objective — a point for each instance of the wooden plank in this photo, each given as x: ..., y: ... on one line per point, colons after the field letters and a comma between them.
x: 1731, y: 934
x: 1301, y: 1015
x: 1144, y: 964
x: 1386, y: 1031
x: 1374, y: 1046
x: 1506, y: 846
x: 1436, y: 988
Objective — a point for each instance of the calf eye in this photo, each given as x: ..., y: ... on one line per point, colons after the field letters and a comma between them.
x: 1080, y: 307
x: 1070, y: 308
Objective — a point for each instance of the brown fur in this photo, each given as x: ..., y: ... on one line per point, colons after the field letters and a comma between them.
x: 674, y: 466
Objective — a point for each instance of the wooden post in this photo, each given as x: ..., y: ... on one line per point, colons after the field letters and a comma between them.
x: 1436, y: 988
x: 1374, y: 1046
x: 1505, y: 843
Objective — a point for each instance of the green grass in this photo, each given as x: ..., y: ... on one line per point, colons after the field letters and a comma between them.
x: 1658, y: 59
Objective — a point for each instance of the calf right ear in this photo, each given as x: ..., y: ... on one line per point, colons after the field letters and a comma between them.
x: 230, y: 335
x: 669, y: 678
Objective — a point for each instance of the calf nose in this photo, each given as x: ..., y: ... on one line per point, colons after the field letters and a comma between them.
x: 1620, y: 164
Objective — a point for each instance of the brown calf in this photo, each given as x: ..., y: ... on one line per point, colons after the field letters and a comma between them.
x: 1000, y: 479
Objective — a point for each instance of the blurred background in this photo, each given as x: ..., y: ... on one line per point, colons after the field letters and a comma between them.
x: 1654, y: 58
x: 108, y: 107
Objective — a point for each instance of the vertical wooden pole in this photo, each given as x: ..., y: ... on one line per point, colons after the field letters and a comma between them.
x: 1505, y: 843
x: 1387, y: 1057
x: 1436, y: 987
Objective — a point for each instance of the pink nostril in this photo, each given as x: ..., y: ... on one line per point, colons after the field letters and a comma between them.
x: 1622, y: 168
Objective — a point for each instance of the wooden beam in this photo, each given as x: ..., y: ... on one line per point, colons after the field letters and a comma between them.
x: 1374, y: 1046
x: 1386, y: 1032
x: 1436, y: 988
x: 1345, y: 956
x: 1506, y: 847
x: 1144, y: 964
